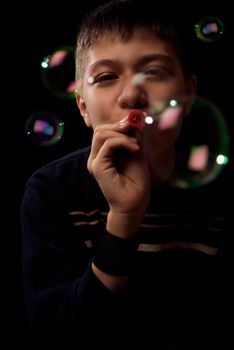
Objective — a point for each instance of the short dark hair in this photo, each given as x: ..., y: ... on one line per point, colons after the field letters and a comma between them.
x: 122, y: 17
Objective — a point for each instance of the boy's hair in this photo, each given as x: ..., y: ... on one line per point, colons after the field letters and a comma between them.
x: 122, y: 17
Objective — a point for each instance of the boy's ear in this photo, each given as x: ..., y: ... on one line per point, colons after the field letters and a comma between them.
x: 191, y: 92
x: 83, y: 110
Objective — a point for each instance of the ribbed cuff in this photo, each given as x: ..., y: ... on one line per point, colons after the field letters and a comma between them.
x: 114, y: 255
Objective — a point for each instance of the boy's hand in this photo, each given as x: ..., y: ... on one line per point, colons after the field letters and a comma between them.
x: 117, y: 162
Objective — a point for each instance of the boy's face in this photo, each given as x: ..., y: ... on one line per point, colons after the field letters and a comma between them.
x: 109, y: 93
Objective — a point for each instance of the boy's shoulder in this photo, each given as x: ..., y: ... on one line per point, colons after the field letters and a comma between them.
x: 73, y: 164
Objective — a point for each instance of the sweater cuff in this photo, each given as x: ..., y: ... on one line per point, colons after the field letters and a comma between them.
x: 114, y: 255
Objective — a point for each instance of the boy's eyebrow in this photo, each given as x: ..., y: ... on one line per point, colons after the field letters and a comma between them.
x: 103, y: 62
x: 156, y: 57
x: 142, y: 60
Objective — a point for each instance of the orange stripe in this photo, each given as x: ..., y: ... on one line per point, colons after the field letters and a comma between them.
x: 78, y: 223
x: 170, y: 245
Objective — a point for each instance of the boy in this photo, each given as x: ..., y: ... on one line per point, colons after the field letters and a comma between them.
x: 109, y: 248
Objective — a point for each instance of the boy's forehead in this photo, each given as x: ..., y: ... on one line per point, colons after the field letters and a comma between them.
x: 113, y: 46
x: 117, y: 37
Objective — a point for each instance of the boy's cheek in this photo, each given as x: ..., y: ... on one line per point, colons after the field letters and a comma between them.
x: 156, y: 141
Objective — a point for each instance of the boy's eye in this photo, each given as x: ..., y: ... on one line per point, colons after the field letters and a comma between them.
x: 156, y: 73
x: 107, y: 77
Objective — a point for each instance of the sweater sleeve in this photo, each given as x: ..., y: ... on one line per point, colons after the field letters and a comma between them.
x: 65, y: 301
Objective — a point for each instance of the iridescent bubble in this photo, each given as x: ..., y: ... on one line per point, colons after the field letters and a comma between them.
x: 44, y: 128
x: 149, y: 119
x: 159, y: 107
x: 209, y: 29
x: 58, y: 72
x: 138, y: 79
x: 202, y: 147
x: 165, y: 113
x: 90, y: 80
x: 169, y: 118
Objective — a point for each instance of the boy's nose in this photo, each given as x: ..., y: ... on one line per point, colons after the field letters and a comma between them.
x: 133, y: 96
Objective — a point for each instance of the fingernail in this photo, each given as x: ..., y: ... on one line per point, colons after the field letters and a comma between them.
x: 123, y: 122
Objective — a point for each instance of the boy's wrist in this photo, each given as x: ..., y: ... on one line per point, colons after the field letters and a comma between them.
x: 124, y: 225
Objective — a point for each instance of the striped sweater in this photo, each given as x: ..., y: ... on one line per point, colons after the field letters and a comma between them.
x: 177, y: 291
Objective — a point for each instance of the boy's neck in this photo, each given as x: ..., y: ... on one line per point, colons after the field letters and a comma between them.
x: 161, y: 167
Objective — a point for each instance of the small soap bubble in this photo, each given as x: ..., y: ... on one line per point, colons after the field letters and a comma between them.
x: 170, y: 117
x: 90, y: 80
x: 44, y: 128
x: 209, y: 29
x: 138, y: 79
x: 58, y: 72
x: 149, y: 120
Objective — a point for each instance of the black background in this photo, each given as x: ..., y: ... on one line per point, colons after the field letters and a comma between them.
x: 38, y: 29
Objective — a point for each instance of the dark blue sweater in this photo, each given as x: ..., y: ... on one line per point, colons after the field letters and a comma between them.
x: 177, y: 291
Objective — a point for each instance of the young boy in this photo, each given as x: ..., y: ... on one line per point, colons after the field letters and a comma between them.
x: 110, y: 250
